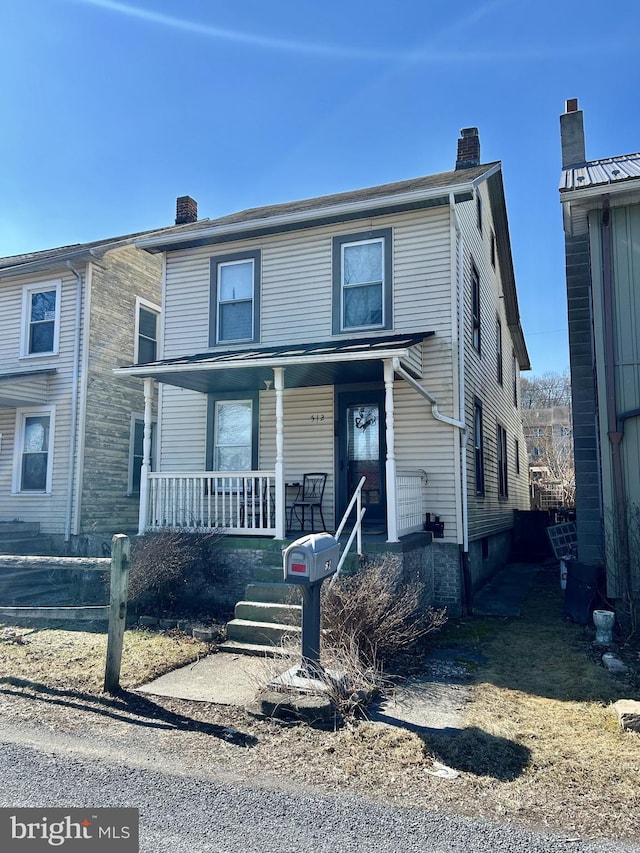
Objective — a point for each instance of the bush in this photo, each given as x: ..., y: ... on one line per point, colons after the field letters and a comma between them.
x: 173, y: 571
x: 378, y: 612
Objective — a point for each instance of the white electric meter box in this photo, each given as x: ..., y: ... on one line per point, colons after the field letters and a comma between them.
x: 311, y: 559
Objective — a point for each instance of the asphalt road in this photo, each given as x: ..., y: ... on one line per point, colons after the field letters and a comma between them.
x: 180, y: 811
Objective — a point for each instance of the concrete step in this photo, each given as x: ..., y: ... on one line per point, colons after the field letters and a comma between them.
x: 267, y: 611
x: 259, y: 650
x: 276, y: 593
x: 265, y: 633
x: 269, y: 574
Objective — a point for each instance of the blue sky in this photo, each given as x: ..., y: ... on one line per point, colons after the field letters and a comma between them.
x: 113, y: 109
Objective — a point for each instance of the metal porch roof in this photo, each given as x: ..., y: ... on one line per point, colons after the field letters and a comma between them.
x: 307, y: 364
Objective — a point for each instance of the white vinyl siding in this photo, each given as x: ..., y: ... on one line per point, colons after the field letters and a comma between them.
x: 48, y: 508
x: 488, y: 514
x: 296, y: 281
x: 181, y: 407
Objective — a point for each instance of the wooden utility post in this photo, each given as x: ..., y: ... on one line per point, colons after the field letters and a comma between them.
x: 120, y: 562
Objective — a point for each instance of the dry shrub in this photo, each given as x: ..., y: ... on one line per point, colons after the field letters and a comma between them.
x: 378, y: 612
x: 173, y: 571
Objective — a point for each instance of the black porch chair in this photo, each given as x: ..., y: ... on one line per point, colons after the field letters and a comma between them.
x: 313, y: 486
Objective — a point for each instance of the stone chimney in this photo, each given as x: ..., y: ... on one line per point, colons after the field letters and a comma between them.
x: 468, y: 148
x: 572, y: 135
x: 186, y: 210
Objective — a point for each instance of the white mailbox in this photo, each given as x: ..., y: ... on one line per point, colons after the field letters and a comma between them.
x: 311, y: 559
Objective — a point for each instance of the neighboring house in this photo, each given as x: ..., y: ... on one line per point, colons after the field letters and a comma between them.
x: 548, y: 435
x: 370, y: 333
x: 71, y: 433
x: 601, y: 208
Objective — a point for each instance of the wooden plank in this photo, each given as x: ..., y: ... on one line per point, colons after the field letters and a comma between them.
x: 120, y: 562
x: 76, y: 614
x: 84, y: 564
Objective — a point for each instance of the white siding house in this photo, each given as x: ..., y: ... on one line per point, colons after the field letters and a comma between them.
x: 354, y: 335
x: 69, y: 431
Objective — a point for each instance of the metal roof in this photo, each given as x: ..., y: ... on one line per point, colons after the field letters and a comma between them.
x: 307, y: 364
x: 611, y: 170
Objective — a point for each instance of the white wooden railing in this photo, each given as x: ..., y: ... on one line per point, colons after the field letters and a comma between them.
x: 409, y: 497
x: 243, y: 502
x: 240, y: 502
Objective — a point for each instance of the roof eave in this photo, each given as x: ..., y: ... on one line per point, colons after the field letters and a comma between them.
x: 597, y: 190
x: 505, y: 259
x: 175, y: 241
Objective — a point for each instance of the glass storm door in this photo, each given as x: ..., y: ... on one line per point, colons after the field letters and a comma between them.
x: 362, y: 452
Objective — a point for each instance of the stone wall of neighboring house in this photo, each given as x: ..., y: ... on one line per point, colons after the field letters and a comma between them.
x: 125, y: 273
x: 583, y: 392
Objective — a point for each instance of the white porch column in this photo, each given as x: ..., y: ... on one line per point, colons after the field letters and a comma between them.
x: 278, y: 384
x: 146, y: 455
x: 390, y: 466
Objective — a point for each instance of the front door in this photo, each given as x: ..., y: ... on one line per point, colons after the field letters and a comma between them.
x: 361, y: 452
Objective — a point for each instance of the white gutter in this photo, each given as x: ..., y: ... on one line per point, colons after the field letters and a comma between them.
x: 300, y: 216
x: 423, y: 391
x: 74, y: 405
x: 84, y: 255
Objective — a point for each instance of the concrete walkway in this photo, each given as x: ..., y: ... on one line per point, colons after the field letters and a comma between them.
x: 435, y: 699
x: 506, y: 592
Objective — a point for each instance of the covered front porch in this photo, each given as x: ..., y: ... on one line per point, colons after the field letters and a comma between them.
x: 260, y: 501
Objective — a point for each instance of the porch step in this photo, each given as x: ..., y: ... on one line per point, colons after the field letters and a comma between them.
x: 258, y: 649
x: 261, y: 633
x: 276, y: 593
x: 269, y: 574
x: 268, y: 611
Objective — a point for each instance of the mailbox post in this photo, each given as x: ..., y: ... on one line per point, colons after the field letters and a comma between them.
x: 307, y: 562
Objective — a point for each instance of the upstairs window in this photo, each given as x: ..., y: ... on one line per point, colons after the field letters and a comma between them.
x: 493, y: 249
x: 479, y: 212
x: 517, y: 455
x: 514, y: 378
x: 475, y: 307
x: 501, y: 441
x: 235, y: 293
x: 499, y: 351
x: 41, y: 319
x: 362, y: 281
x: 478, y: 447
x: 147, y: 329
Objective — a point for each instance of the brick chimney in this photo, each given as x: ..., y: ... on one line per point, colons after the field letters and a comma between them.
x: 468, y: 148
x: 186, y: 210
x: 572, y: 135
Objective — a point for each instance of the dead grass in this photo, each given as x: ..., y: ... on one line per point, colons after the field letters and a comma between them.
x: 75, y: 659
x: 540, y: 745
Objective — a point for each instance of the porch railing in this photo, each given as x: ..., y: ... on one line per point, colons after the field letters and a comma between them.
x: 238, y: 502
x: 409, y: 496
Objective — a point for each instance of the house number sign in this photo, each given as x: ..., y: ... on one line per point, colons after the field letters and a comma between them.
x: 317, y: 419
